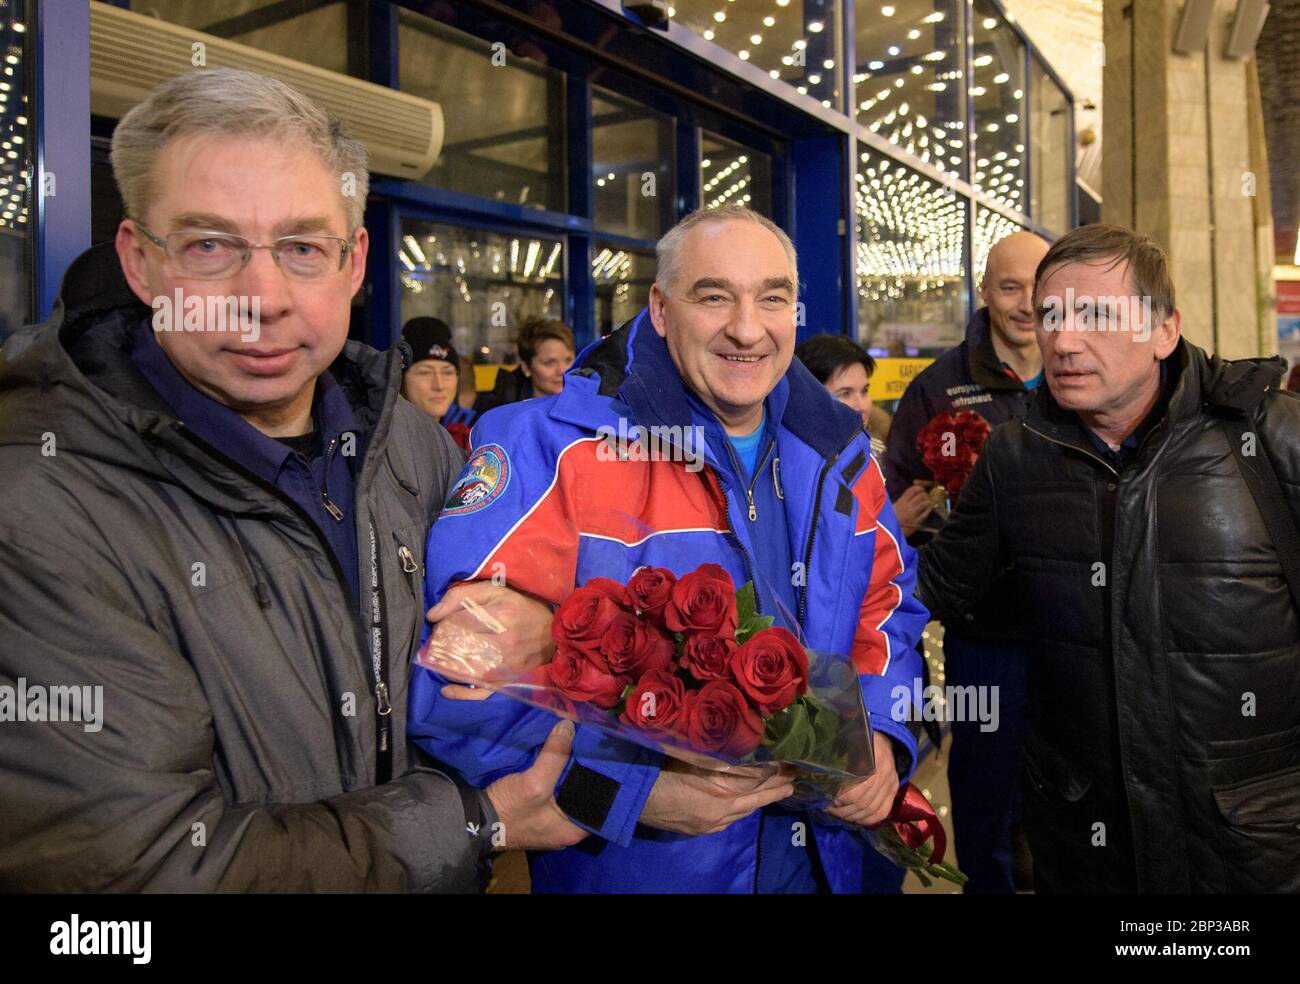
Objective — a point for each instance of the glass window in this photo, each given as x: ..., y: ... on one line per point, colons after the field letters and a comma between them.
x: 16, y: 171
x: 910, y: 263
x: 633, y: 166
x: 908, y: 78
x: 484, y: 284
x: 730, y: 173
x: 797, y: 41
x: 623, y: 277
x: 315, y: 34
x: 504, y: 121
x: 990, y: 228
x: 1052, y: 145
x: 998, y: 86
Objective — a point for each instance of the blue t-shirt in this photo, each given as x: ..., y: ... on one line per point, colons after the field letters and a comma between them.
x: 747, y: 447
x: 1029, y: 384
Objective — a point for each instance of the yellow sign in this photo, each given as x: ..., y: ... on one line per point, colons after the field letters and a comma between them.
x: 485, y: 377
x: 892, y: 376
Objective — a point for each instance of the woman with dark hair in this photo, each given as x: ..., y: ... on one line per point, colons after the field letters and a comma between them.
x: 432, y: 380
x: 845, y: 369
x: 546, y: 350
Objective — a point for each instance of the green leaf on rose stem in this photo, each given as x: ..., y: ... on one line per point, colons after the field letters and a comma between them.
x: 815, y: 703
x: 746, y: 603
x: 792, y: 734
x: 627, y: 691
x: 826, y: 726
x: 747, y: 630
x: 748, y: 620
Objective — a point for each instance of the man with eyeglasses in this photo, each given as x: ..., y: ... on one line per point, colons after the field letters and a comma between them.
x: 213, y: 540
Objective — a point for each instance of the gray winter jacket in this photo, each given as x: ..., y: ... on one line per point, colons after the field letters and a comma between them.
x: 243, y: 713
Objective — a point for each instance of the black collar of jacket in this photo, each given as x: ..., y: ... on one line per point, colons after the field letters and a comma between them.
x: 1198, y: 383
x: 983, y: 365
x: 633, y: 364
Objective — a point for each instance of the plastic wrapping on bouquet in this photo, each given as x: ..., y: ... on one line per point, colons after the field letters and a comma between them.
x: 820, y: 732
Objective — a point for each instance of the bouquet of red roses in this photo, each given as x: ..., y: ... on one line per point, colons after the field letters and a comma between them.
x: 950, y: 444
x: 690, y: 667
x: 692, y: 664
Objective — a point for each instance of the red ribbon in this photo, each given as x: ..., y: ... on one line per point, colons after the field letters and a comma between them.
x: 915, y: 822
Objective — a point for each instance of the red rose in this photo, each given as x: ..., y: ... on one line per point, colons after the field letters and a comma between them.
x: 703, y: 601
x: 586, y: 615
x: 651, y: 588
x: 721, y: 720
x: 578, y: 674
x: 950, y: 444
x: 771, y: 669
x: 657, y: 702
x: 630, y: 646
x: 612, y: 590
x: 540, y: 688
x: 708, y: 657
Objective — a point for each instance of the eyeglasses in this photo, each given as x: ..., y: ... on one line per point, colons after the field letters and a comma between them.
x: 205, y: 255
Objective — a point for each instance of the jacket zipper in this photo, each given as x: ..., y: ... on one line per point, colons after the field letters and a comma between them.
x: 1074, y: 447
x: 409, y: 565
x: 758, y: 607
x: 1110, y: 597
x: 758, y: 469
x: 758, y: 596
x: 414, y: 582
x: 382, y: 706
x: 379, y: 627
x: 726, y: 509
x: 335, y: 512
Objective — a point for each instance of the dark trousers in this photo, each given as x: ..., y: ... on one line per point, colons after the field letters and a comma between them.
x: 983, y: 767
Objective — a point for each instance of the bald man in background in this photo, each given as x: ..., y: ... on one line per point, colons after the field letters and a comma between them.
x: 993, y: 372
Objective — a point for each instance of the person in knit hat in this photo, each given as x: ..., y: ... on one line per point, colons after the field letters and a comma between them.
x: 432, y: 379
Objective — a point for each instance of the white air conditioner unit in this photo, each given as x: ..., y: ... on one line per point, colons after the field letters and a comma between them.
x: 131, y: 53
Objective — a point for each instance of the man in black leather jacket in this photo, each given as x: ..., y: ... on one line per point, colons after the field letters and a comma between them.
x: 1162, y: 751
